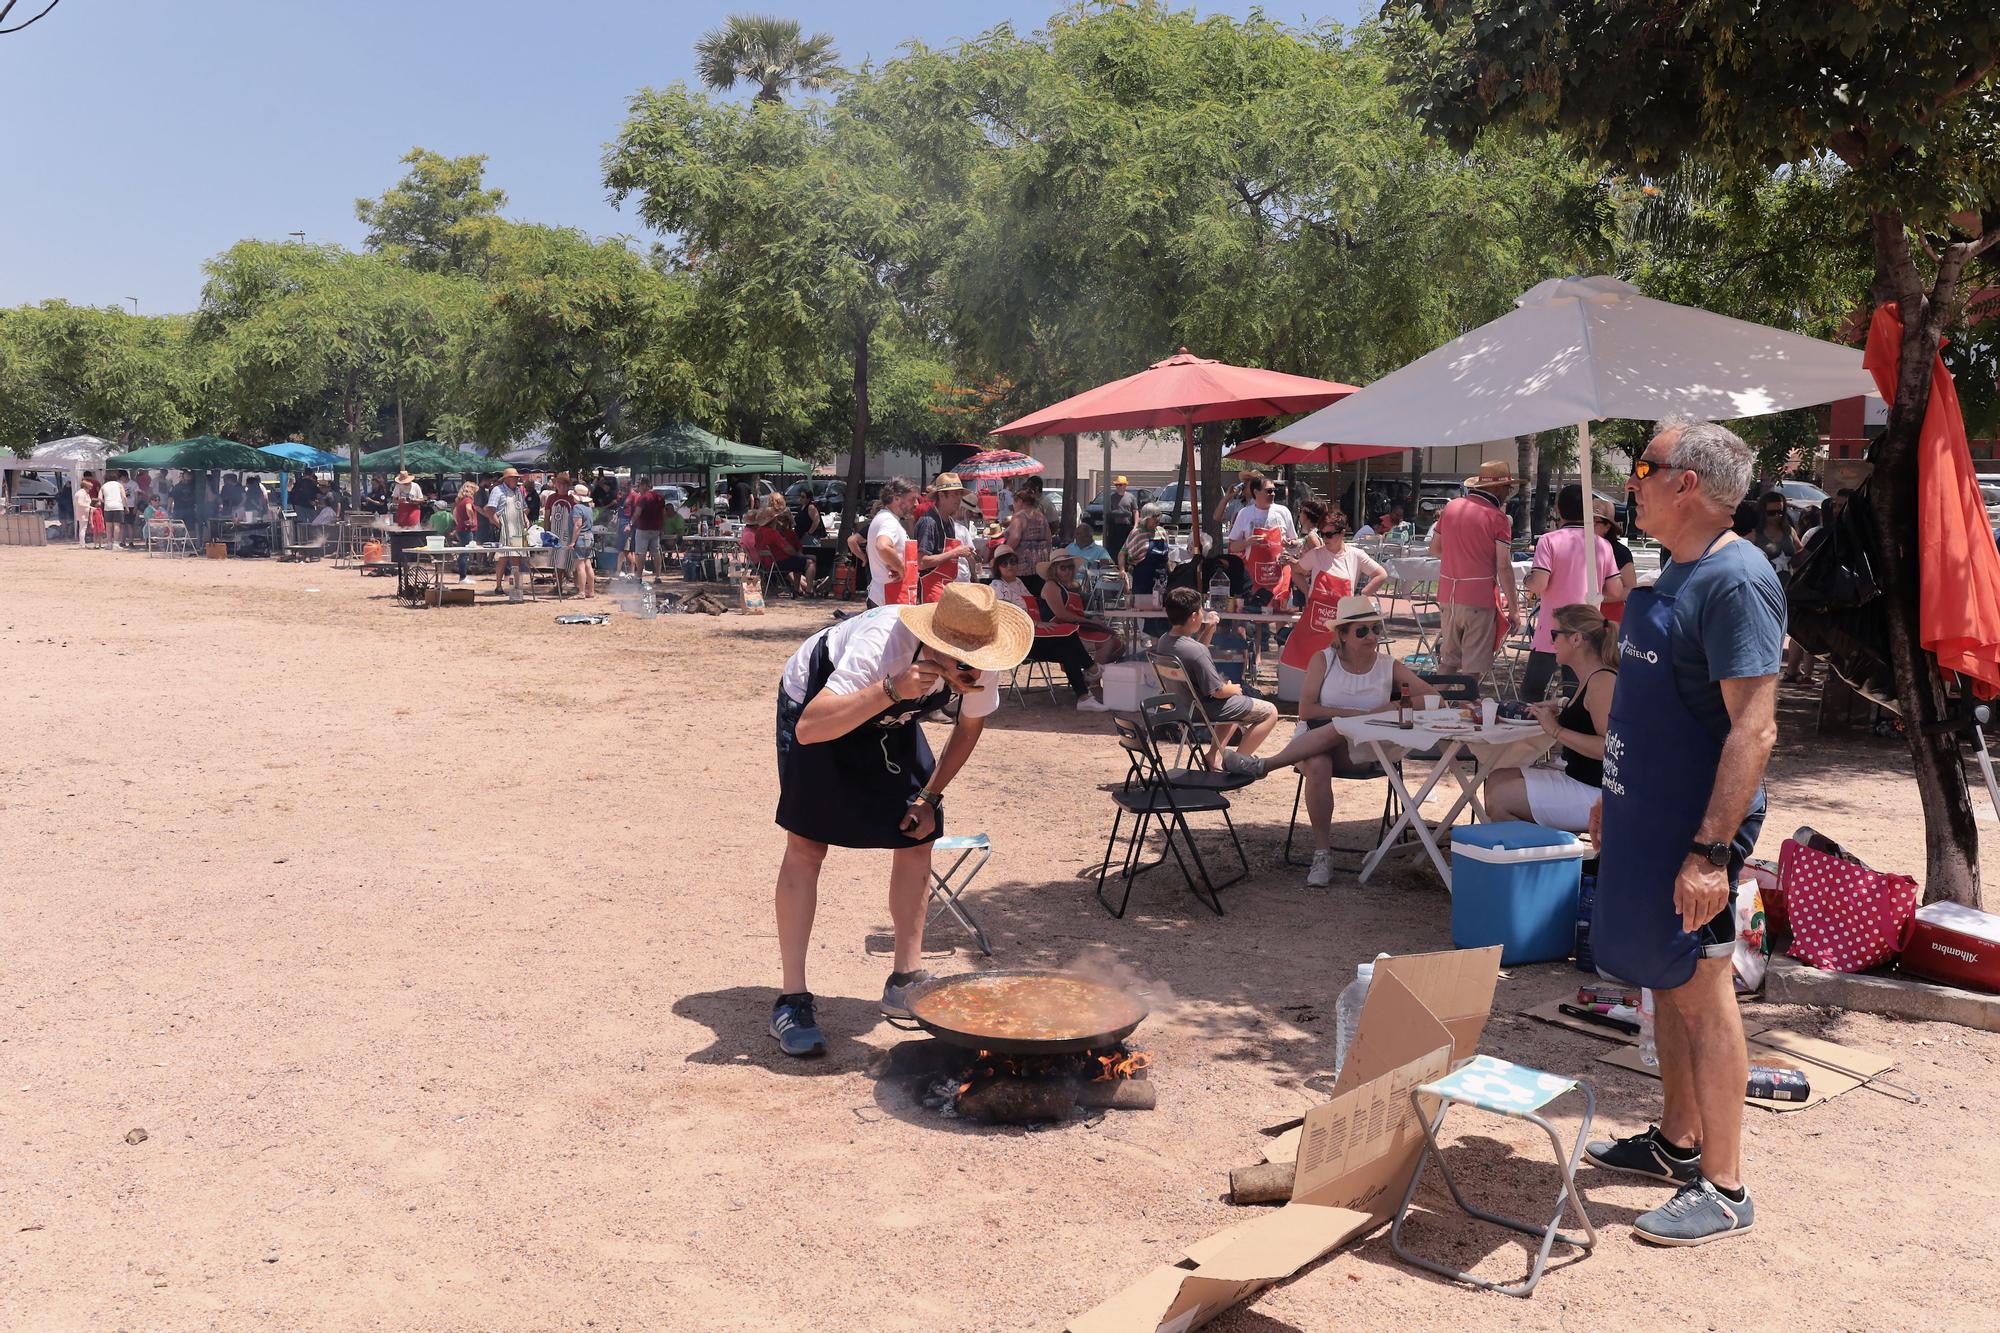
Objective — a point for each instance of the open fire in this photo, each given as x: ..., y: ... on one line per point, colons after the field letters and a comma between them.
x: 1016, y: 1089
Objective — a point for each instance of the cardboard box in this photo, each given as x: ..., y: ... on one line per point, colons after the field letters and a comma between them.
x: 218, y: 550
x: 1356, y: 1153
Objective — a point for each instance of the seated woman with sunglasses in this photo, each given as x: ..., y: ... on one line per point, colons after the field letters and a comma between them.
x: 1587, y: 644
x: 1351, y: 678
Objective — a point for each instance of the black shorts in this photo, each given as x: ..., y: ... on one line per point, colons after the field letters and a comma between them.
x: 1717, y: 937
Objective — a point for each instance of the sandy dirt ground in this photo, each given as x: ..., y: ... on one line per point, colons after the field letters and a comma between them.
x: 433, y: 952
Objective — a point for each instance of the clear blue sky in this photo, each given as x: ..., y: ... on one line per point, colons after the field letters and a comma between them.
x: 144, y: 136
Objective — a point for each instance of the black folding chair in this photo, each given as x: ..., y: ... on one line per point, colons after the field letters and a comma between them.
x: 1157, y: 798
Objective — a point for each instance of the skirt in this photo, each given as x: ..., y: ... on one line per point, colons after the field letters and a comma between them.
x: 1558, y: 800
x: 852, y: 791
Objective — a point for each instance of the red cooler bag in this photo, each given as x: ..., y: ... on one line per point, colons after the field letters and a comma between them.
x: 1955, y: 944
x: 1844, y: 917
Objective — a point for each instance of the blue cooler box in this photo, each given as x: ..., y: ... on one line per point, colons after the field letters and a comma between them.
x: 1515, y: 885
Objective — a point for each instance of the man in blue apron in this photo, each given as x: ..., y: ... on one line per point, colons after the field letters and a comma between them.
x: 854, y: 769
x: 1691, y: 728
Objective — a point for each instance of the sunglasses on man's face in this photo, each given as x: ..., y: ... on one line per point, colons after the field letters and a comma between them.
x: 1646, y: 467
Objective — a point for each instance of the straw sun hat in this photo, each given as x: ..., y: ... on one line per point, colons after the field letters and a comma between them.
x: 1494, y: 475
x: 404, y: 477
x: 1355, y: 610
x: 970, y: 624
x: 1047, y: 567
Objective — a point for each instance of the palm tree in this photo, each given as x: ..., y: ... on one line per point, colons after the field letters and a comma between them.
x: 768, y: 52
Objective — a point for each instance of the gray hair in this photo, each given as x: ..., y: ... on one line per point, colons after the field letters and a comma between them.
x: 894, y: 489
x: 1717, y: 457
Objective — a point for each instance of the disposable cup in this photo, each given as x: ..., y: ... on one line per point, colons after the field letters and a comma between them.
x: 1489, y: 712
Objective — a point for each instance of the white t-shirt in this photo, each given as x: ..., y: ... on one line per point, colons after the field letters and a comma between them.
x: 1249, y: 518
x: 868, y: 649
x: 1352, y: 564
x: 883, y: 524
x: 1014, y: 591
x: 112, y: 493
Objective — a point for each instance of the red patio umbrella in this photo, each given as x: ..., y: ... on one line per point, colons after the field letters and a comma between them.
x: 1185, y: 391
x: 1265, y: 450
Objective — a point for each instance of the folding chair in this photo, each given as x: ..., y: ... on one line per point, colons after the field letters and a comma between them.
x: 1509, y: 1090
x: 1197, y: 736
x: 1031, y: 668
x: 1344, y: 769
x: 948, y: 887
x: 1156, y: 798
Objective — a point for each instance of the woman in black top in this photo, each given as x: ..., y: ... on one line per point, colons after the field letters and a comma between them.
x: 1587, y: 644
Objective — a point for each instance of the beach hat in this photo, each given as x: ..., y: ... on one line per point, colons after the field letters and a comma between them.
x: 1495, y: 474
x: 993, y: 532
x: 971, y: 624
x: 579, y: 492
x: 1607, y: 511
x: 1047, y: 567
x: 404, y: 476
x: 1001, y: 550
x: 1120, y: 481
x: 1354, y: 610
x: 510, y: 472
x: 946, y: 481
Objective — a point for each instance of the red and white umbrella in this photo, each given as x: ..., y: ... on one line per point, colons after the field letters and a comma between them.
x: 992, y: 464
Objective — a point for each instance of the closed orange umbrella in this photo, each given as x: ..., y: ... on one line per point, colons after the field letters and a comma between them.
x: 1958, y: 563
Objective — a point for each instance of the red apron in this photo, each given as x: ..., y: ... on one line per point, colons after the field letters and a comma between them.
x: 1313, y: 631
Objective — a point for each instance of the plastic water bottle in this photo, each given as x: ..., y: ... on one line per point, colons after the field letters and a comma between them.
x: 1649, y: 1052
x: 1347, y: 1012
x: 1218, y: 591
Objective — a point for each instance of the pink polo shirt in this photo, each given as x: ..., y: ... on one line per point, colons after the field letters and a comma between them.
x: 1561, y: 554
x: 1468, y: 530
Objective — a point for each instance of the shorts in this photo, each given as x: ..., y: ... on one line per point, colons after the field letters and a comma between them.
x: 1241, y: 709
x: 645, y: 541
x: 1558, y: 800
x: 1717, y: 938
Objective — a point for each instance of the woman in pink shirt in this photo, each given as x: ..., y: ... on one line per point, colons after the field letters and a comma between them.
x: 1559, y: 579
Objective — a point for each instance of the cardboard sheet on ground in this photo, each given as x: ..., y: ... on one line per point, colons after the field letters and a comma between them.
x: 1831, y: 1067
x: 1356, y: 1152
x: 1552, y: 1013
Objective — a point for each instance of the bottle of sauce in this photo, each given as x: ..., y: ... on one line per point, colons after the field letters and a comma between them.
x: 1403, y: 718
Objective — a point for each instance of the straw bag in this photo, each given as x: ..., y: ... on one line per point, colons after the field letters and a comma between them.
x: 1844, y: 917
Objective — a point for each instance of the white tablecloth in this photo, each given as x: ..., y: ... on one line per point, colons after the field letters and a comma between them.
x: 1503, y: 745
x: 1425, y: 569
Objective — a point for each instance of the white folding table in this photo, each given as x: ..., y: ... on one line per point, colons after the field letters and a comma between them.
x: 1505, y: 744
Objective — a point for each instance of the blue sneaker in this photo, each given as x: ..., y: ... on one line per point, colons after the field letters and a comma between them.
x: 1696, y: 1215
x: 1645, y: 1155
x: 795, y: 1026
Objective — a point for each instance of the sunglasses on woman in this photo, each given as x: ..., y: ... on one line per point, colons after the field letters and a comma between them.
x: 1362, y: 631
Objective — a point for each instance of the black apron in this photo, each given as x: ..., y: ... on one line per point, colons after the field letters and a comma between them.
x: 854, y: 790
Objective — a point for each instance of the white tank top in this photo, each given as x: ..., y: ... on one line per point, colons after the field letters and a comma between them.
x: 1369, y: 692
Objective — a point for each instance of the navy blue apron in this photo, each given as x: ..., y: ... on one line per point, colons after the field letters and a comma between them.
x: 1659, y: 772
x: 853, y: 790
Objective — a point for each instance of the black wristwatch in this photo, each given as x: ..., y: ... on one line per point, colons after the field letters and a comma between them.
x: 1715, y: 853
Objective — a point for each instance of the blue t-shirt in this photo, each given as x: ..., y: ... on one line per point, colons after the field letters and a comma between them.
x: 1729, y: 622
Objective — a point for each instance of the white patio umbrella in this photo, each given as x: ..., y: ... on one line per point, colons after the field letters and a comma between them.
x: 1578, y: 350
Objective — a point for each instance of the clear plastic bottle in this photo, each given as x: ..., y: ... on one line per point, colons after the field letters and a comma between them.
x: 1218, y: 591
x: 1649, y: 1052
x: 1347, y: 1012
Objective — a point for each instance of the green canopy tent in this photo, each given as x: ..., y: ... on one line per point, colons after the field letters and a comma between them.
x: 428, y: 458
x: 684, y: 447
x: 205, y: 453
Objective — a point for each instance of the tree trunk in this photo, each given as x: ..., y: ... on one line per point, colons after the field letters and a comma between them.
x: 1524, y: 454
x: 1066, y: 521
x: 350, y: 411
x: 1208, y: 458
x: 857, y: 460
x: 1951, y: 835
x: 1538, y: 518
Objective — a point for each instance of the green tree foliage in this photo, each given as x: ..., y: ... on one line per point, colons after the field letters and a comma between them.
x: 423, y: 218
x: 1904, y: 97
x: 803, y: 231
x: 67, y: 370
x: 572, y: 330
x: 771, y: 53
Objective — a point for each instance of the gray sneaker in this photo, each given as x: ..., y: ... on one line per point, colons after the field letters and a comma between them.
x: 896, y: 999
x: 796, y: 1027
x: 1645, y: 1155
x: 1698, y: 1214
x: 1242, y: 765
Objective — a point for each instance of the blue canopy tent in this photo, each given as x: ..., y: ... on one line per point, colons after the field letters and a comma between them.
x: 319, y: 460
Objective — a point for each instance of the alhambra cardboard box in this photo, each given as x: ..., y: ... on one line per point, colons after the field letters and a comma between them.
x: 1356, y: 1153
